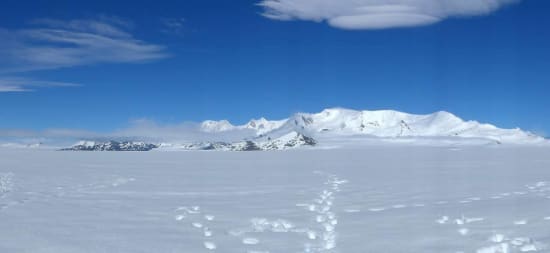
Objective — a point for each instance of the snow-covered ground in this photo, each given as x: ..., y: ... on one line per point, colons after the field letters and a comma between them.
x: 369, y: 199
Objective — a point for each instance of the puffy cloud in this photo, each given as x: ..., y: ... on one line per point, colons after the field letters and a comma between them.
x: 378, y: 14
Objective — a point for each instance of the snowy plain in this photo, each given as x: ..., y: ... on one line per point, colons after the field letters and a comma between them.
x: 356, y: 200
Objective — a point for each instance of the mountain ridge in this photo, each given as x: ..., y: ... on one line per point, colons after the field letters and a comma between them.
x: 382, y: 123
x: 336, y: 124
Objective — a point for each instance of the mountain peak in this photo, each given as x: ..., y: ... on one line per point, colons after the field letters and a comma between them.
x: 212, y: 126
x: 377, y: 123
x: 339, y: 121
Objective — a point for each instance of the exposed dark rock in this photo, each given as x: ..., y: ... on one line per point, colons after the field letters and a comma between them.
x: 113, y: 146
x: 248, y: 146
x: 301, y: 140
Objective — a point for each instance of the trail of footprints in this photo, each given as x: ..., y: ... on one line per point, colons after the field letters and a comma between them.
x: 113, y: 182
x: 201, y: 223
x: 540, y: 189
x: 321, y: 238
x: 500, y: 243
x: 325, y: 217
x: 6, y: 183
x: 198, y: 221
x: 8, y: 191
x: 7, y: 186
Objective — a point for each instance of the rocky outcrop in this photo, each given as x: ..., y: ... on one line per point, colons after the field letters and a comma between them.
x: 112, y: 146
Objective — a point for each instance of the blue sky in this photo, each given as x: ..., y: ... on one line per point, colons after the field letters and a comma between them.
x: 98, y: 65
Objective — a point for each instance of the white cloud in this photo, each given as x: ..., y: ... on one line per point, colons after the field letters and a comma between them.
x: 173, y: 25
x: 143, y: 130
x: 99, y: 27
x: 378, y: 14
x: 52, y: 44
x: 16, y: 84
x: 146, y: 129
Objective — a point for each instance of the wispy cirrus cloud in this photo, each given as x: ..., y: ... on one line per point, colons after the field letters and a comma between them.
x: 52, y: 44
x: 378, y: 14
x: 173, y: 25
x: 18, y: 84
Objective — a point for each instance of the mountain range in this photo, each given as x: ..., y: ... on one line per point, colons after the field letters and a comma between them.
x: 336, y: 127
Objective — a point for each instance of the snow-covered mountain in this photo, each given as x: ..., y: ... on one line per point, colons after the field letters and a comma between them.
x: 335, y: 125
x: 260, y: 126
x: 289, y: 141
x: 111, y: 146
x: 382, y: 124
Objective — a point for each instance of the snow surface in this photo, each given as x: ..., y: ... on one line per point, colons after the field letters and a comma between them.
x: 367, y: 199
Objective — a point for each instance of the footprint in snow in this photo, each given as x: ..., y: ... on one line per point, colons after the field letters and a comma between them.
x: 463, y: 231
x: 210, y: 245
x: 192, y: 213
x: 443, y: 220
x: 6, y: 183
x: 377, y: 209
x: 520, y: 222
x: 501, y: 243
x: 250, y: 241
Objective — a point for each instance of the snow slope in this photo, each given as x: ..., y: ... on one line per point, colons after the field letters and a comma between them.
x: 378, y: 199
x: 382, y: 124
x: 260, y: 126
